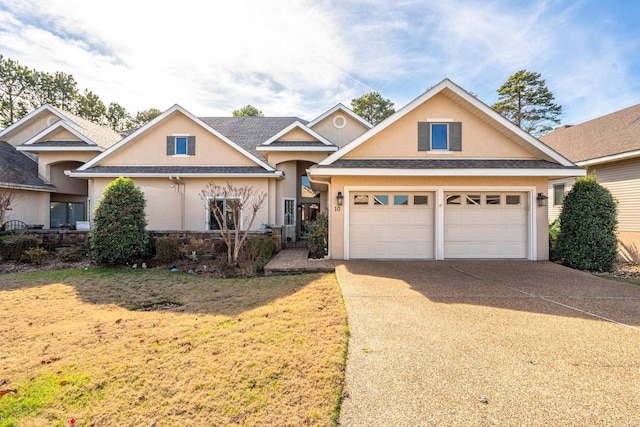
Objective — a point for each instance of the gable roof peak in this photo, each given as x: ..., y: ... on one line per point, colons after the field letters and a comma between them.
x: 175, y: 108
x: 463, y: 97
x: 339, y: 106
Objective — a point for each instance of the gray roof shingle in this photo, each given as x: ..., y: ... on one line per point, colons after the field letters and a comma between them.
x: 60, y: 144
x: 299, y: 144
x: 444, y: 164
x: 17, y: 169
x: 178, y: 170
x: 250, y: 132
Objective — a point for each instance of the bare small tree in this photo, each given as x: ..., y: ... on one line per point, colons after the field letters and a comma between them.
x: 227, y: 205
x: 7, y: 197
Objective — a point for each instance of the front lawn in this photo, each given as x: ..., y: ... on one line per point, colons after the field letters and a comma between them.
x: 129, y: 347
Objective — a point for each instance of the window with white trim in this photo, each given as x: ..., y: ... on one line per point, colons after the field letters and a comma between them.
x: 221, y: 214
x: 181, y: 145
x: 289, y: 212
x: 558, y: 194
x: 439, y: 136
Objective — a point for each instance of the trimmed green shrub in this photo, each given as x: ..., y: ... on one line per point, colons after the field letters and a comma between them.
x: 317, y: 238
x: 167, y: 249
x: 35, y: 255
x: 587, y: 238
x: 72, y: 254
x: 258, y: 251
x: 554, y: 230
x: 13, y: 246
x: 120, y: 235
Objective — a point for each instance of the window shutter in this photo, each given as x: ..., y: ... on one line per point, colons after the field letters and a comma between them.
x: 455, y: 136
x: 191, y: 146
x: 171, y: 145
x: 424, y: 143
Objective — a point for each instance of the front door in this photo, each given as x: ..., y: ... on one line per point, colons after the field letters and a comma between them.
x: 308, y: 214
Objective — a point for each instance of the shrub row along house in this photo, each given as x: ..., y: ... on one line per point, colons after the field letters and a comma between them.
x: 444, y: 177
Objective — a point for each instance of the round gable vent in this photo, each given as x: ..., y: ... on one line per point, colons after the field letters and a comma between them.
x: 339, y: 121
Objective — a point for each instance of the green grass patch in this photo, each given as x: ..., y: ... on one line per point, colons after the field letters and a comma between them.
x: 56, y: 396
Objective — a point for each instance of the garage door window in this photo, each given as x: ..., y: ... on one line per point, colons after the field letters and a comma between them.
x: 453, y: 199
x: 513, y: 200
x: 401, y: 200
x: 420, y: 200
x: 361, y: 199
x: 473, y: 199
x: 380, y: 199
x: 493, y: 199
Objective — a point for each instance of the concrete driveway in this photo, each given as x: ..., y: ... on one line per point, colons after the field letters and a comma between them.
x: 479, y: 343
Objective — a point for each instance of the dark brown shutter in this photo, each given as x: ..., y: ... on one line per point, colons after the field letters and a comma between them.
x: 455, y: 136
x: 424, y: 136
x: 171, y: 145
x: 191, y: 146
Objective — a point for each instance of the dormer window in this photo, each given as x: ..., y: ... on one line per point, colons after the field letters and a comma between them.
x: 440, y: 137
x: 181, y: 145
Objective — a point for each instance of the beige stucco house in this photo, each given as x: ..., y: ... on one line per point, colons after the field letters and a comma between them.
x: 608, y: 147
x: 444, y: 177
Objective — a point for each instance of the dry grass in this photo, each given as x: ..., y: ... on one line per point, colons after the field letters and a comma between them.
x: 263, y: 351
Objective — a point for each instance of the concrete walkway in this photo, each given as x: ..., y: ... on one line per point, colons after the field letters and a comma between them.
x: 291, y: 261
x: 480, y: 343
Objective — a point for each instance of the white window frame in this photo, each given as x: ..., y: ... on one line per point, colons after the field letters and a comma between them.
x: 564, y: 193
x: 439, y: 150
x: 186, y: 145
x: 284, y: 211
x: 208, y: 213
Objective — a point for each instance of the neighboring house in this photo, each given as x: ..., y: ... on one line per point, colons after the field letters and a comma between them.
x: 57, y: 141
x: 444, y: 177
x: 608, y: 147
x: 19, y: 176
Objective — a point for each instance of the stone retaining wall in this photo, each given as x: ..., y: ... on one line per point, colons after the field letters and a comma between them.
x: 199, y: 241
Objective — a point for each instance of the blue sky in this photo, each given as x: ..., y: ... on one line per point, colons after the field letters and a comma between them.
x: 301, y: 57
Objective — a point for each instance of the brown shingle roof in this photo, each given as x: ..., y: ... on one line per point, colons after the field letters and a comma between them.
x: 101, y: 135
x: 614, y: 133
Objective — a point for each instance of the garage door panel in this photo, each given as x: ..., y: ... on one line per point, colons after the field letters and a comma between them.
x: 486, y: 230
x: 391, y: 231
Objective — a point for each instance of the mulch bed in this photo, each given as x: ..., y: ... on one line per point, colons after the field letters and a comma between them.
x: 204, y: 267
x: 625, y: 270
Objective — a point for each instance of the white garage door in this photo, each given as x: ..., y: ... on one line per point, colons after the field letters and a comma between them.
x: 388, y: 225
x: 485, y: 225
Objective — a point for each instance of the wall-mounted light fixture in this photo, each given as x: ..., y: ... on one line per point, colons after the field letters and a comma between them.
x: 542, y: 199
x: 339, y: 198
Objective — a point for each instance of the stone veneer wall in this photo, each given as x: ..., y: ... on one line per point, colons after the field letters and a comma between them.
x: 54, y: 239
x: 199, y: 241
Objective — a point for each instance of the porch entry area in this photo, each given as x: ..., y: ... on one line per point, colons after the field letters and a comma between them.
x: 299, y: 212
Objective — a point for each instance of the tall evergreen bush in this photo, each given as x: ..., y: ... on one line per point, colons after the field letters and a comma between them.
x: 588, y: 222
x: 120, y: 235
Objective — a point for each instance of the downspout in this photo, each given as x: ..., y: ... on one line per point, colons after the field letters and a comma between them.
x: 182, y: 190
